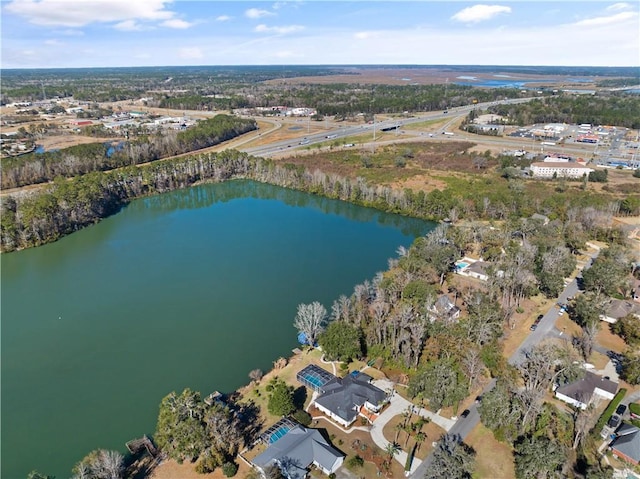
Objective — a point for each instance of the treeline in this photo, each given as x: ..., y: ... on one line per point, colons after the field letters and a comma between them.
x: 342, y: 99
x: 115, y: 84
x: 623, y: 110
x: 80, y: 159
x: 66, y: 206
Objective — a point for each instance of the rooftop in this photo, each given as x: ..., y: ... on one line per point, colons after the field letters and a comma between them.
x: 299, y: 448
x: 582, y: 390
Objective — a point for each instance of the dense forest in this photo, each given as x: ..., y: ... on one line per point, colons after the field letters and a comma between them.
x: 342, y: 99
x: 595, y: 110
x: 77, y: 160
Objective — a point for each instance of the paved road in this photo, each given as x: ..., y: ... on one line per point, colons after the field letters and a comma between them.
x: 546, y: 326
x: 345, y: 131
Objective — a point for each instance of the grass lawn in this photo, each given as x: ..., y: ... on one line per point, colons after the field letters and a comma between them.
x: 513, y: 337
x: 258, y: 393
x: 607, y: 339
x: 568, y: 327
x: 494, y: 459
x: 406, y: 442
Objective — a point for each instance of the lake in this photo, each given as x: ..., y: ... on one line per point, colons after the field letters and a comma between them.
x: 192, y: 288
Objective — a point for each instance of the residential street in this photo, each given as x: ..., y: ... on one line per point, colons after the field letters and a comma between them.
x: 546, y: 326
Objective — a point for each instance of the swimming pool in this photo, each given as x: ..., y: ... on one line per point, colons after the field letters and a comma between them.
x: 317, y: 382
x: 278, y: 433
x: 461, y: 264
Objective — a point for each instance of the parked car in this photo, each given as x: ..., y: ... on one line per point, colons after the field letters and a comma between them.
x: 536, y: 322
x: 465, y: 413
x: 614, y: 422
x: 621, y: 409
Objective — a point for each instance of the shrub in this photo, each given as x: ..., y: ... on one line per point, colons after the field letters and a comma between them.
x: 303, y: 417
x: 229, y: 469
x: 355, y: 461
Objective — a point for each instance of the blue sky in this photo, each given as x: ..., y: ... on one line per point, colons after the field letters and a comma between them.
x: 101, y: 33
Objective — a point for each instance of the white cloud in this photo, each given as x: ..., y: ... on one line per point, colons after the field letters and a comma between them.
x: 223, y: 18
x: 176, y: 23
x: 609, y: 20
x: 257, y: 13
x: 191, y: 53
x: 479, y: 13
x: 78, y: 13
x: 53, y: 42
x: 619, y: 6
x: 128, y: 26
x: 365, y: 35
x: 279, y: 30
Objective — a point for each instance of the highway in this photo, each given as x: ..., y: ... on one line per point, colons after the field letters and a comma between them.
x: 346, y: 131
x: 464, y: 426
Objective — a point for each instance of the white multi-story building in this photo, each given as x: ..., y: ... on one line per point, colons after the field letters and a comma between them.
x: 560, y: 169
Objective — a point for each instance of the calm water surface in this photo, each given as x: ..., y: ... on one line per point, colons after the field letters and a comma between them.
x: 193, y: 288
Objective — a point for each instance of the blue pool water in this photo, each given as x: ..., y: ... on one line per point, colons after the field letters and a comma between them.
x: 317, y: 382
x: 278, y: 434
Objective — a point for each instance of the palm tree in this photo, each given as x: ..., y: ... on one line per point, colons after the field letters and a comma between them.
x: 392, y: 449
x: 407, y: 430
x: 398, y: 427
x: 420, y: 438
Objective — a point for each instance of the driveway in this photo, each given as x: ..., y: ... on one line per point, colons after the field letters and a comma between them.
x: 397, y: 405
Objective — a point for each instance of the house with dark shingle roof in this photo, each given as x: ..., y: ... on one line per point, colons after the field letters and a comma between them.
x: 591, y: 387
x: 342, y: 398
x: 618, y: 308
x: 626, y: 445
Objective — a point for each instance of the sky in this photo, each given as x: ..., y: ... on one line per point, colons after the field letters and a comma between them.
x: 113, y: 33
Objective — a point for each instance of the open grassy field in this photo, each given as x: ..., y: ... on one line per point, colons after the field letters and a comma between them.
x: 494, y: 459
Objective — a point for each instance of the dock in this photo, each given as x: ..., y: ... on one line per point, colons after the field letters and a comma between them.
x: 136, y: 445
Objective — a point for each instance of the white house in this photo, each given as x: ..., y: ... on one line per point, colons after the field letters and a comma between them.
x: 560, y: 169
x: 582, y: 392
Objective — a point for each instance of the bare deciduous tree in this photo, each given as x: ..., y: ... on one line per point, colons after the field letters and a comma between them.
x: 311, y: 320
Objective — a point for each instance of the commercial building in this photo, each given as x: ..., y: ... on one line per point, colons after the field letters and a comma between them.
x: 559, y: 169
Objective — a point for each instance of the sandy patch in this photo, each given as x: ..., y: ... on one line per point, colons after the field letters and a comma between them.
x: 65, y: 141
x: 170, y: 469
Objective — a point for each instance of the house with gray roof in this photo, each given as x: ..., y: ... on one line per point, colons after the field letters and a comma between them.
x: 626, y: 445
x: 444, y: 309
x: 618, y: 308
x: 478, y: 270
x: 343, y: 399
x: 591, y: 387
x: 296, y: 450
